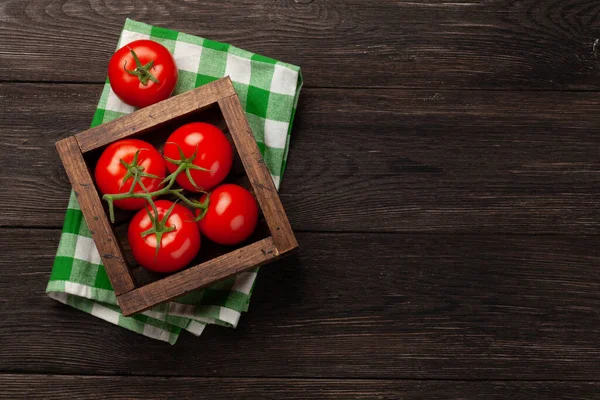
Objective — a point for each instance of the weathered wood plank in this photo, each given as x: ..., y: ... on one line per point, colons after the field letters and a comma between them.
x: 364, y: 306
x: 48, y: 387
x: 383, y: 160
x: 358, y: 43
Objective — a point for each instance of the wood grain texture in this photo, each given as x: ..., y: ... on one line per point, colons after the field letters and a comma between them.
x: 363, y: 306
x: 154, y: 116
x: 50, y: 387
x: 394, y: 160
x: 450, y: 244
x: 542, y: 44
x: 199, y: 276
x: 258, y: 175
x: 91, y: 206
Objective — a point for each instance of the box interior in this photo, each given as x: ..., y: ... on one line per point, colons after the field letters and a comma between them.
x: 157, y: 136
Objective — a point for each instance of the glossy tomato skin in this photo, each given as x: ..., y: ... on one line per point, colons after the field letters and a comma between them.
x: 214, y: 153
x: 128, y: 87
x: 109, y: 172
x: 231, y: 216
x: 178, y: 248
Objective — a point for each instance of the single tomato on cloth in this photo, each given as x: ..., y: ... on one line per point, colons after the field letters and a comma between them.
x: 142, y: 73
x: 124, y: 161
x: 203, y: 152
x: 167, y: 243
x: 231, y: 215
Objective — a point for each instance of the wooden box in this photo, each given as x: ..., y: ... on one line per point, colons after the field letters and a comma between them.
x: 136, y: 288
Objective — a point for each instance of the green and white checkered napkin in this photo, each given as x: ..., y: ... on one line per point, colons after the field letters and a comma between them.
x: 268, y: 90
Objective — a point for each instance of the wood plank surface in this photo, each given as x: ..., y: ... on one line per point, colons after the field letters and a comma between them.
x: 49, y: 387
x: 542, y: 44
x: 442, y: 180
x: 393, y: 160
x: 364, y: 306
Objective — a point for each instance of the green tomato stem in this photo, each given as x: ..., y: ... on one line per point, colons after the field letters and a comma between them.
x: 141, y: 71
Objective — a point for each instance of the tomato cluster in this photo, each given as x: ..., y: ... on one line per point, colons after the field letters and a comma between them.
x: 164, y: 235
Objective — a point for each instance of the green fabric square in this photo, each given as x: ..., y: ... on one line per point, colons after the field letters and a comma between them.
x: 81, y: 303
x: 211, y: 311
x: 83, y: 272
x: 98, y: 118
x: 61, y: 270
x: 273, y: 158
x: 211, y: 44
x: 139, y: 27
x: 84, y: 231
x: 212, y: 62
x: 257, y: 125
x: 111, y: 115
x: 242, y: 91
x: 216, y: 297
x: 66, y: 246
x: 261, y: 75
x: 74, y: 218
x: 225, y: 284
x: 240, y: 53
x: 73, y: 203
x: 280, y: 106
x: 104, y: 96
x: 185, y: 82
x: 168, y: 43
x: 204, y: 79
x: 258, y: 100
x: 158, y: 32
x: 237, y: 301
x: 102, y: 280
x: 56, y: 285
x: 263, y: 59
x: 184, y: 37
x: 194, y: 297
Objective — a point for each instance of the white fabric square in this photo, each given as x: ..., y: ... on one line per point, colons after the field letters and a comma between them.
x: 195, y: 328
x: 129, y: 36
x: 284, y: 80
x: 238, y: 69
x: 276, y: 181
x: 243, y: 282
x: 187, y: 56
x: 78, y: 289
x: 154, y: 332
x: 86, y: 250
x: 276, y: 133
x: 113, y: 103
x: 105, y: 313
x: 230, y: 316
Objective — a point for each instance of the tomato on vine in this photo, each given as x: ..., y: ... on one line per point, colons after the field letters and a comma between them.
x: 202, y: 153
x: 166, y: 242
x: 231, y: 215
x: 142, y: 73
x: 127, y: 163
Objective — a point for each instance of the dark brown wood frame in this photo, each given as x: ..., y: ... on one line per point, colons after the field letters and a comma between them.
x: 134, y: 299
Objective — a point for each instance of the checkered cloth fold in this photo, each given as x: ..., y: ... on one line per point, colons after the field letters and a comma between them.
x: 268, y: 90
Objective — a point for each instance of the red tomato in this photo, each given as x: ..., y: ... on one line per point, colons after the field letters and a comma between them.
x: 231, y: 216
x: 146, y: 80
x: 177, y: 247
x: 110, y: 171
x: 212, y: 150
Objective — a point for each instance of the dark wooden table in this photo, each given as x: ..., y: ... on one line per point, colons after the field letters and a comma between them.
x: 443, y: 181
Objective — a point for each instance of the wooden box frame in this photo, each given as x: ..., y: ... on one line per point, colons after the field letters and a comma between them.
x: 131, y: 297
